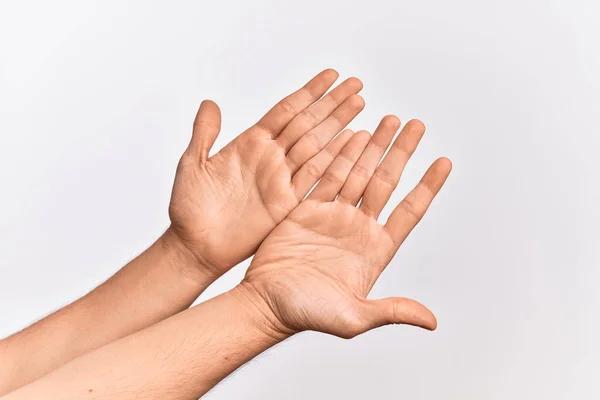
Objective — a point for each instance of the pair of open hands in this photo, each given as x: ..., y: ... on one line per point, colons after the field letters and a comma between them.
x: 317, y: 257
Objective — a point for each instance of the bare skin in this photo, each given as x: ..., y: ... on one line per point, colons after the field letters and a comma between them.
x: 221, y: 208
x: 313, y: 272
x: 224, y: 206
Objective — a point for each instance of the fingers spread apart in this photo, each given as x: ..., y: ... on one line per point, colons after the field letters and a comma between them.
x: 387, y: 175
x: 283, y: 112
x: 317, y: 138
x: 363, y: 170
x: 413, y: 207
x: 315, y: 114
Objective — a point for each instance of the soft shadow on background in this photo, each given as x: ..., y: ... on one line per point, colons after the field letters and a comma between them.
x: 96, y: 105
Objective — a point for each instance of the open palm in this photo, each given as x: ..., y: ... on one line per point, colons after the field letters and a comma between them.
x: 222, y: 207
x: 315, y: 270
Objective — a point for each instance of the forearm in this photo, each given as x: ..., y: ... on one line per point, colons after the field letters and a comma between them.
x: 182, y: 357
x: 160, y: 282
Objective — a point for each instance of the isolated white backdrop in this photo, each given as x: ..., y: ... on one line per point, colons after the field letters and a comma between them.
x: 96, y: 105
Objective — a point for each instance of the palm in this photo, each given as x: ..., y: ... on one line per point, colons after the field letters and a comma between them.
x: 317, y: 267
x: 223, y: 206
x: 234, y: 200
x: 329, y: 248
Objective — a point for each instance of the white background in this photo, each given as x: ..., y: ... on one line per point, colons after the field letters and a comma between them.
x: 96, y: 105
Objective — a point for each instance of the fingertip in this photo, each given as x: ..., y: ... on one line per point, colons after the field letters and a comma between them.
x: 434, y: 324
x: 430, y: 322
x: 208, y: 103
x: 208, y: 106
x: 441, y: 168
x: 357, y: 101
x: 331, y: 74
x: 364, y: 135
x: 391, y: 122
x: 355, y: 82
x: 445, y: 162
x: 424, y: 318
x: 416, y: 125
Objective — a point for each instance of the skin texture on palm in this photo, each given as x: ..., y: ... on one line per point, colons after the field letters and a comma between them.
x: 315, y: 270
x: 222, y: 207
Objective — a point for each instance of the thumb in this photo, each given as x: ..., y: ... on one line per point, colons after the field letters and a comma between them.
x: 397, y: 310
x: 206, y: 129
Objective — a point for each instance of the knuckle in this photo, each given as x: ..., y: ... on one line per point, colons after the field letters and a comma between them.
x: 334, y: 99
x: 309, y: 117
x: 361, y: 171
x: 385, y: 176
x: 205, y: 125
x: 336, y: 118
x: 312, y: 91
x: 287, y: 106
x: 331, y: 151
x: 380, y: 147
x: 313, y: 141
x: 401, y: 147
x: 413, y: 207
x: 331, y: 177
x: 395, y: 312
x: 368, y: 209
x: 313, y: 170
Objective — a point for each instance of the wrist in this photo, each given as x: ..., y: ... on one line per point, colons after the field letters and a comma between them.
x: 185, y: 262
x: 260, y: 312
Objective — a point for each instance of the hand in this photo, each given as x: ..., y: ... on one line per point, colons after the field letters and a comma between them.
x: 222, y: 207
x: 314, y: 271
